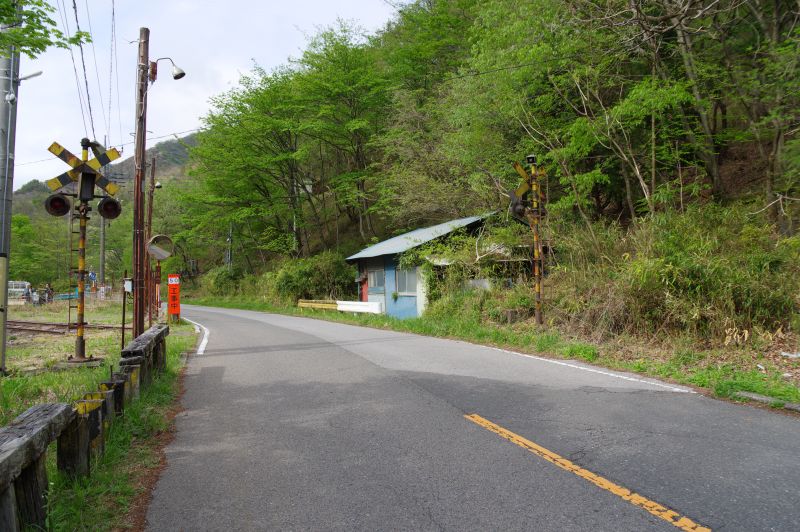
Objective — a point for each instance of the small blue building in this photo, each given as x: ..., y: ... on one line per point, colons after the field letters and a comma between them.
x: 401, y: 292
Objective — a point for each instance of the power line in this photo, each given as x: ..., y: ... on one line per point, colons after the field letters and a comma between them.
x: 62, y: 10
x: 85, y: 77
x: 116, y: 64
x: 110, y: 73
x: 174, y: 134
x: 96, y: 69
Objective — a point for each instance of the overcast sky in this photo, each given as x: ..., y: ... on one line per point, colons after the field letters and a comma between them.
x: 214, y: 42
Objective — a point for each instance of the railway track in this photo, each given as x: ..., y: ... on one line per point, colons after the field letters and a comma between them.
x: 52, y: 328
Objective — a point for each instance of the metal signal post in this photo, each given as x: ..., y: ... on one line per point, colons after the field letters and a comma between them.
x: 87, y: 175
x: 530, y: 183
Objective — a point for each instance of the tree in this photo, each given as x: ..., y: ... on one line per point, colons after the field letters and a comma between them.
x: 344, y: 98
x: 27, y: 27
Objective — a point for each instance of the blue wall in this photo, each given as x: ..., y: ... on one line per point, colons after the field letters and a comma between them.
x: 405, y: 306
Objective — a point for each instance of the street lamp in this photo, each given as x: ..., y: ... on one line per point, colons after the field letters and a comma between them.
x: 146, y: 69
x: 177, y: 72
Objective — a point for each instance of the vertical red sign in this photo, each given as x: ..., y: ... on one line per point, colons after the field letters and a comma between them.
x: 174, y: 295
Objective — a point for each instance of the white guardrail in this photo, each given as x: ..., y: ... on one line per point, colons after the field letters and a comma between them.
x: 369, y: 307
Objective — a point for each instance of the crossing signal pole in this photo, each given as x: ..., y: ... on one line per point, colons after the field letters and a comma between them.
x: 86, y: 173
x: 530, y: 185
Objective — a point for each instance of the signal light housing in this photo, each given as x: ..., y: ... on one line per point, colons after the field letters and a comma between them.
x: 109, y: 208
x: 57, y: 205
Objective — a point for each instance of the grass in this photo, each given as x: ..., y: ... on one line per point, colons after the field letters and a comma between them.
x: 108, y: 312
x: 720, y: 371
x: 101, y: 501
x: 31, y: 357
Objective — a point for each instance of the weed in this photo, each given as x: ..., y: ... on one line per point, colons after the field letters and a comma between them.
x: 585, y: 352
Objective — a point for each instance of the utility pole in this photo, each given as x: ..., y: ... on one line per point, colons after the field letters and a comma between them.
x: 142, y: 71
x: 148, y: 233
x: 9, y: 81
x: 229, y: 251
x: 101, y: 274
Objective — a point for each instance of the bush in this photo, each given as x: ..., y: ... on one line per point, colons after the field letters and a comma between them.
x: 323, y: 276
x: 704, y: 271
x: 221, y: 281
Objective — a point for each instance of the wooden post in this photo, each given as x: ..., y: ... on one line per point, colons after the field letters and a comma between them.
x: 30, y: 490
x: 8, y: 510
x: 117, y: 386
x: 92, y: 410
x: 134, y: 372
x: 124, y: 377
x: 73, y: 448
x: 162, y: 355
x: 107, y: 397
x: 140, y: 361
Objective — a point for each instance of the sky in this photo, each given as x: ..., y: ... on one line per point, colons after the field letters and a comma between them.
x: 214, y: 42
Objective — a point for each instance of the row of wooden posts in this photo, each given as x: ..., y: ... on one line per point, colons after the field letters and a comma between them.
x: 80, y: 432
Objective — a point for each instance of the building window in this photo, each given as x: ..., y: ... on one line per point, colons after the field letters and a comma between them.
x: 375, y: 280
x: 407, y: 281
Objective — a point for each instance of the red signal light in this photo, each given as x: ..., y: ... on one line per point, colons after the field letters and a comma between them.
x: 57, y: 205
x: 109, y: 208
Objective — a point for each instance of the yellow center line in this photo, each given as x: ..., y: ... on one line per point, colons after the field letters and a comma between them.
x: 670, y: 516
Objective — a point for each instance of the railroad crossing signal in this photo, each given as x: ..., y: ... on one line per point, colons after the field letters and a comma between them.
x: 102, y: 158
x: 87, y: 174
x: 530, y: 187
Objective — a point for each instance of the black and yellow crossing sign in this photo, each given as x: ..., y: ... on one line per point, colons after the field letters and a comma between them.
x: 525, y: 184
x: 102, y: 158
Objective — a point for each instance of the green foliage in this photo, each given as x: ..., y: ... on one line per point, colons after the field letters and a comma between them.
x: 102, y: 501
x: 31, y: 257
x: 703, y: 271
x: 221, y: 281
x: 654, y: 138
x: 323, y: 276
x: 31, y: 30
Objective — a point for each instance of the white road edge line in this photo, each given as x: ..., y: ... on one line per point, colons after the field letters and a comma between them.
x: 198, y: 327
x: 594, y: 370
x: 541, y: 359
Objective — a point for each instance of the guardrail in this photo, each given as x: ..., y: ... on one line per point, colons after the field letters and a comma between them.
x: 322, y: 304
x: 369, y: 307
x: 80, y: 432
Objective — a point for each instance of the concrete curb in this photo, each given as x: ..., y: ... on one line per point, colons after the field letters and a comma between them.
x: 766, y: 400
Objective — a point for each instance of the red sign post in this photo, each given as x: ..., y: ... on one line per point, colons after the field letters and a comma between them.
x: 174, y: 296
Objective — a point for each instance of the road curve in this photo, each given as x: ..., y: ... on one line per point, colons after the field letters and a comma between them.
x: 300, y: 424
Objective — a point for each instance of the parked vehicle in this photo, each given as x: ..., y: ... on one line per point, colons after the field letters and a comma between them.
x: 19, y: 292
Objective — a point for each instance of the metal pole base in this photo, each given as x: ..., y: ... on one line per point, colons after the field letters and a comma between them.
x: 73, y: 362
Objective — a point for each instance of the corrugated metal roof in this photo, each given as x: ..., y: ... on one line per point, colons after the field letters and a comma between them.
x: 414, y: 238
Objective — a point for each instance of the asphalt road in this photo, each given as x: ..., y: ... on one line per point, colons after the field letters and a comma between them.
x: 298, y: 424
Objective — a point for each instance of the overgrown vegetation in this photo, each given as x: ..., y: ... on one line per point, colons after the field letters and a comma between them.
x: 322, y: 276
x: 668, y: 131
x: 101, y: 501
x: 720, y: 370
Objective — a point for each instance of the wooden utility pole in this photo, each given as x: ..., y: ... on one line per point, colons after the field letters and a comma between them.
x: 142, y: 70
x: 148, y: 233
